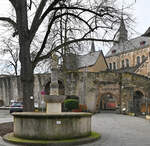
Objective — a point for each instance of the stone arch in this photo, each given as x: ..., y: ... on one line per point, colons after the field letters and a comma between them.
x: 138, y: 102
x: 108, y: 101
x: 113, y: 93
x: 140, y: 90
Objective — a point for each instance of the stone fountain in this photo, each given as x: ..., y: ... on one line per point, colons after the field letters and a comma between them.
x: 52, y: 125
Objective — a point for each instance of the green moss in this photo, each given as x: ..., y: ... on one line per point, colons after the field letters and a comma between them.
x: 11, y: 138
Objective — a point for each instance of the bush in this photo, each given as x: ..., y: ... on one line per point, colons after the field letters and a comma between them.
x: 71, y: 104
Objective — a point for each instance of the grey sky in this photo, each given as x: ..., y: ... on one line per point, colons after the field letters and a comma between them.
x: 140, y: 11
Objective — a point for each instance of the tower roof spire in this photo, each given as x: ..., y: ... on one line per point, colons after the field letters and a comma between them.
x: 123, y: 33
x: 92, y: 47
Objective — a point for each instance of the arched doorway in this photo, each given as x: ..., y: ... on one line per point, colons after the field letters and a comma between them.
x: 61, y: 88
x: 137, y: 102
x: 107, y: 102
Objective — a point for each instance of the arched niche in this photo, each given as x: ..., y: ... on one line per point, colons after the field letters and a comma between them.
x: 61, y: 88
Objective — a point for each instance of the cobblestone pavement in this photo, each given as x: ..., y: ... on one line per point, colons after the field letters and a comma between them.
x: 118, y: 130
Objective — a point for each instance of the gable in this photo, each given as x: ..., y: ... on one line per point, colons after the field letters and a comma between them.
x: 99, y: 65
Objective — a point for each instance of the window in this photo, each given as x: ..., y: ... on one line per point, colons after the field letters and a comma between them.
x: 127, y: 63
x: 138, y: 60
x: 114, y: 65
x: 143, y: 58
x: 110, y: 66
x: 122, y: 63
x: 142, y: 43
x: 113, y: 51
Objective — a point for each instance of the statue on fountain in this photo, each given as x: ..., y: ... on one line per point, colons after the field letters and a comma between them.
x: 54, y: 100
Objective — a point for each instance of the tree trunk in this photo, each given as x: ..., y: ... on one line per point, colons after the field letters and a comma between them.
x: 27, y: 78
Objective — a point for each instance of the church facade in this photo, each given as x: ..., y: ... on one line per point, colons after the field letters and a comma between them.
x: 130, y: 55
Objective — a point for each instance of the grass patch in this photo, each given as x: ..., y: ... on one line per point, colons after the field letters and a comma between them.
x: 12, y: 139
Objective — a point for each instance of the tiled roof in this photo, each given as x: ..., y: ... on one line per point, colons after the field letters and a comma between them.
x: 133, y: 44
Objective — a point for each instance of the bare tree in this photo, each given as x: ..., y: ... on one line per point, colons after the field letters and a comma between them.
x: 11, y: 50
x: 87, y: 15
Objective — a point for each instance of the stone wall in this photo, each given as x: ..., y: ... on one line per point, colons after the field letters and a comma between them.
x: 91, y: 86
x: 10, y: 88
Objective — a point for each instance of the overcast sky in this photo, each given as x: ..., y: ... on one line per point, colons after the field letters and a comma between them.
x: 140, y: 11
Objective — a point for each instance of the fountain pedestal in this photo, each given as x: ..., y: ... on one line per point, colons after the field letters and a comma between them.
x: 53, y: 103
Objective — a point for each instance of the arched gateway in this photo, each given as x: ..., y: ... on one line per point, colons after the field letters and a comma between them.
x: 108, y: 102
x: 109, y: 90
x: 108, y: 97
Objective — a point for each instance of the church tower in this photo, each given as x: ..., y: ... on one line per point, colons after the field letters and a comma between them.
x: 122, y: 32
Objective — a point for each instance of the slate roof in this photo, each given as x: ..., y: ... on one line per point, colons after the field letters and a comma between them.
x: 88, y: 59
x: 80, y: 61
x: 130, y: 45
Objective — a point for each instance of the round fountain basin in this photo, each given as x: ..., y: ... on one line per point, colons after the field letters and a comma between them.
x: 53, y: 126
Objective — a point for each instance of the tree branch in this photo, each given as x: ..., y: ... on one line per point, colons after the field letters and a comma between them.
x: 70, y: 42
x: 10, y: 21
x: 49, y: 9
x: 37, y: 18
x: 44, y: 41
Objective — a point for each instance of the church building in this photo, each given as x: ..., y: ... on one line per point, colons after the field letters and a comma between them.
x: 130, y: 55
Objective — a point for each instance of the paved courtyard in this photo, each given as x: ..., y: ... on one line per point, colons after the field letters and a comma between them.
x: 121, y: 130
x: 117, y: 130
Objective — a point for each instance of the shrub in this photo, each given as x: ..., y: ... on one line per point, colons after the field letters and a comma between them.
x: 71, y: 104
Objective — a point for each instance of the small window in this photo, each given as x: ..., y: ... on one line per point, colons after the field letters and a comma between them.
x: 110, y: 66
x: 138, y: 60
x: 122, y: 63
x: 142, y: 43
x: 113, y: 51
x: 127, y: 62
x: 143, y: 58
